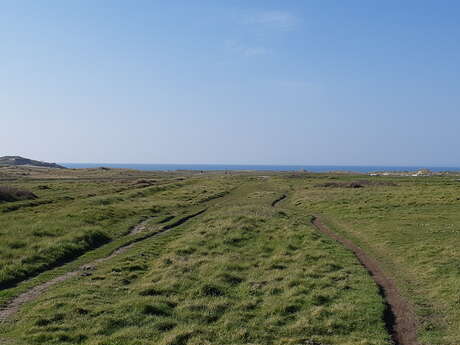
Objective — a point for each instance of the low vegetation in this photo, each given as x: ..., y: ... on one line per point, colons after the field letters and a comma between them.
x: 413, y: 229
x: 73, y: 217
x: 9, y: 194
x: 355, y: 184
x: 242, y: 272
x: 247, y: 268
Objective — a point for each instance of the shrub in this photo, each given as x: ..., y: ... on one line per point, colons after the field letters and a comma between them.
x: 9, y: 194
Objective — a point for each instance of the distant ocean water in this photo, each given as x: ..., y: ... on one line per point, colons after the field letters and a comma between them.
x: 313, y: 168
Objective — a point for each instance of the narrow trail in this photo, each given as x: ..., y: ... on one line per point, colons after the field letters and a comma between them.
x: 398, y: 316
x: 282, y: 197
x: 15, y: 304
x: 140, y: 227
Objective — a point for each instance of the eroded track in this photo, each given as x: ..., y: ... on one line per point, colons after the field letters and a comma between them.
x: 276, y: 201
x: 15, y: 304
x: 398, y: 315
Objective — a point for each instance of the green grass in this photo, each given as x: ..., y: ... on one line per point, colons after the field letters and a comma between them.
x: 71, y: 218
x: 243, y: 272
x: 414, y: 231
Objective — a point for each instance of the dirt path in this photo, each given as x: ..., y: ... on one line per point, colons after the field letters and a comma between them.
x: 398, y: 316
x: 13, y: 306
x: 140, y: 227
x: 143, y: 225
x: 282, y: 197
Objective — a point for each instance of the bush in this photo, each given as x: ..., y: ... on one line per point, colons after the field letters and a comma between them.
x: 9, y: 194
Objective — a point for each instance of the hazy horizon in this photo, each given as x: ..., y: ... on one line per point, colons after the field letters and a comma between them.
x: 259, y: 83
x: 233, y: 163
x: 237, y: 164
x: 261, y: 165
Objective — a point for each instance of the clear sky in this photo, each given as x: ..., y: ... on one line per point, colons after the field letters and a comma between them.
x: 365, y: 82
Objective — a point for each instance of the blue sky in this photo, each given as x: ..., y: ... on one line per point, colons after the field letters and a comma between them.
x: 252, y: 82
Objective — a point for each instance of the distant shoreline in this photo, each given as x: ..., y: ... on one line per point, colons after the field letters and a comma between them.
x: 255, y: 167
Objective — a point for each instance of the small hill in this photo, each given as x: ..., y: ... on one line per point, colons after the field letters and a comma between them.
x: 17, y: 160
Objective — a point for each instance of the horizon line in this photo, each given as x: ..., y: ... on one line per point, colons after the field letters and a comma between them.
x: 274, y: 164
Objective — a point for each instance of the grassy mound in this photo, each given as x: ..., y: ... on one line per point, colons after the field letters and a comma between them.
x: 9, y: 194
x: 50, y: 257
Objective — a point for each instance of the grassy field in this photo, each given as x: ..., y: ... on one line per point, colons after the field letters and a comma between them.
x: 413, y: 229
x: 240, y: 271
x: 70, y: 218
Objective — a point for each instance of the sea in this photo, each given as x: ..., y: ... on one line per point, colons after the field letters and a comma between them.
x: 208, y: 167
